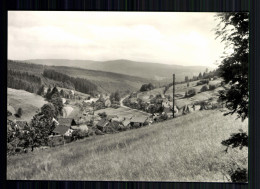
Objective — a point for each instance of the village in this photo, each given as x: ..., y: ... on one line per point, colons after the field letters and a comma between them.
x: 85, y: 115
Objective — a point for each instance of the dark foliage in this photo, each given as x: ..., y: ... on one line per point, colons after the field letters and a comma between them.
x: 234, y: 67
x: 233, y: 29
x: 239, y: 175
x: 24, y: 81
x: 191, y: 92
x: 115, y: 97
x: 147, y: 87
x: 41, y: 91
x: 80, y: 84
x: 19, y: 112
x: 237, y: 140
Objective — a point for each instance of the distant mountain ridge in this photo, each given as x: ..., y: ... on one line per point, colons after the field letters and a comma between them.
x: 156, y: 71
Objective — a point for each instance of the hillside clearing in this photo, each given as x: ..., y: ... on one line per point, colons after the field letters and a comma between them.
x: 187, y: 148
x: 29, y: 102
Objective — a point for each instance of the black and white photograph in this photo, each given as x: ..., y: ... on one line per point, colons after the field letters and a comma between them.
x: 127, y: 96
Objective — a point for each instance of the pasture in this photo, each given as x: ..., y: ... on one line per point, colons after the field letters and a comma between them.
x: 187, y: 148
x: 29, y: 102
x: 122, y: 112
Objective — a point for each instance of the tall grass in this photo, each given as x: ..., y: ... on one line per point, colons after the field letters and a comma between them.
x: 187, y: 148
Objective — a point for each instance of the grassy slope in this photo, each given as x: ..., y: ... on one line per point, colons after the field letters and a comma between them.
x: 29, y: 102
x: 187, y: 148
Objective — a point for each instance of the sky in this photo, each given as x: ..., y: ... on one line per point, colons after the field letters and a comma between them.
x: 186, y: 39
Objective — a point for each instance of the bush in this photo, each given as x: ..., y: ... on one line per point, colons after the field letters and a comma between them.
x: 147, y: 87
x: 103, y: 114
x: 204, y: 88
x: 19, y: 112
x: 203, y: 81
x: 190, y: 92
x: 212, y: 87
x: 215, y: 77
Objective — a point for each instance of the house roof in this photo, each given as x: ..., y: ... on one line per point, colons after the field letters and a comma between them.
x: 140, y: 119
x: 61, y: 129
x: 167, y: 110
x: 66, y: 121
x: 82, y: 127
x: 102, y: 122
x: 126, y: 122
x: 114, y: 124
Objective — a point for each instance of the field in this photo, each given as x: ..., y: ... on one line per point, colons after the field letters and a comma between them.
x: 29, y: 102
x: 187, y: 148
x: 123, y: 112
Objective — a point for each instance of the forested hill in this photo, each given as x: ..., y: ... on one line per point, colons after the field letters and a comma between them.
x: 83, y: 80
x: 148, y: 70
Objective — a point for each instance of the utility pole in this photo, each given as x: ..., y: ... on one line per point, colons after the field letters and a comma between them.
x: 173, y: 94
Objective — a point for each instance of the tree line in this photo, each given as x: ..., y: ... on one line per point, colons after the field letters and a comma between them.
x: 79, y: 84
x: 23, y: 80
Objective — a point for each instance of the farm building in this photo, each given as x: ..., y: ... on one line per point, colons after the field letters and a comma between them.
x: 102, y: 124
x: 107, y: 103
x: 66, y: 122
x: 82, y: 127
x: 166, y: 103
x: 63, y: 100
x: 118, y: 119
x: 89, y: 102
x: 126, y: 122
x: 60, y: 130
x: 138, y: 121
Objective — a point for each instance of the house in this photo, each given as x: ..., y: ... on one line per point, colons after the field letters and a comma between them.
x: 107, y: 103
x: 166, y: 104
x: 89, y: 102
x: 63, y: 100
x: 102, y: 124
x: 60, y: 130
x: 82, y: 127
x: 126, y: 123
x: 66, y: 122
x: 168, y: 111
x: 118, y: 119
x: 138, y: 121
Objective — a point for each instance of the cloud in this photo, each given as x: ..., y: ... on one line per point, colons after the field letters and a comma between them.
x: 163, y: 37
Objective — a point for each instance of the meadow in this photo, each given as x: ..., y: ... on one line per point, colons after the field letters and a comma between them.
x: 29, y: 102
x: 187, y: 148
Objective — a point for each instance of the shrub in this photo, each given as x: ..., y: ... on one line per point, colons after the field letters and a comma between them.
x: 203, y: 81
x: 215, y: 77
x: 204, y: 88
x: 103, y: 114
x: 190, y: 92
x: 147, y: 87
x: 212, y: 87
x: 19, y: 112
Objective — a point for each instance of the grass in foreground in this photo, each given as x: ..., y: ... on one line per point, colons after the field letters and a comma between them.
x: 187, y: 148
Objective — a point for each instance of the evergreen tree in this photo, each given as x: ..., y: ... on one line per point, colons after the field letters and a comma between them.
x: 233, y: 29
x: 19, y: 112
x: 41, y: 91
